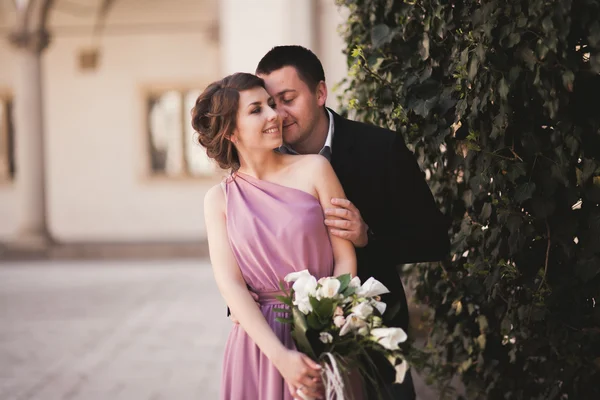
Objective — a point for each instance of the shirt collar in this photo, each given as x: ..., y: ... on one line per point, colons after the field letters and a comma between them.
x: 329, y: 139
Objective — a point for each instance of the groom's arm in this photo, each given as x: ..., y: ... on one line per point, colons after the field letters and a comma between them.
x: 406, y: 226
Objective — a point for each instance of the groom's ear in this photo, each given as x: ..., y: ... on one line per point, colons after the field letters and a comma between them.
x: 321, y: 93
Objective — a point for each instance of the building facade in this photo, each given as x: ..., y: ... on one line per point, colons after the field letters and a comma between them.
x: 114, y: 150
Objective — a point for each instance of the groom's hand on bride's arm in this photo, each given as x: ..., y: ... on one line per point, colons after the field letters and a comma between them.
x: 344, y: 220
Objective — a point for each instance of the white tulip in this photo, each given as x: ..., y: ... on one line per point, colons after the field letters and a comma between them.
x: 329, y: 288
x: 379, y: 305
x: 363, y: 310
x: 401, y: 370
x: 325, y: 337
x: 354, y: 282
x: 389, y: 337
x: 372, y: 287
x: 294, y: 276
x: 303, y: 305
x: 305, y: 286
x: 339, y: 321
x: 353, y: 322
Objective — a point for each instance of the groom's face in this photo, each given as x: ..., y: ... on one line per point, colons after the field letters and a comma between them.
x: 296, y: 103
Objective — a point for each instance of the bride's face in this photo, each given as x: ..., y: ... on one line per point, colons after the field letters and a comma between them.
x: 258, y: 126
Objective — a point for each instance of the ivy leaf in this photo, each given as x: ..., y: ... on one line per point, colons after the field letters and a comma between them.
x: 468, y: 198
x: 595, y: 63
x: 381, y: 34
x: 424, y: 47
x: 503, y: 89
x: 524, y: 192
x: 516, y: 170
x: 589, y: 167
x: 486, y: 212
x: 568, y: 78
x: 473, y: 67
x: 514, y: 223
x: 560, y: 175
x: 587, y: 269
x: 424, y: 107
x: 594, y: 36
x: 529, y: 57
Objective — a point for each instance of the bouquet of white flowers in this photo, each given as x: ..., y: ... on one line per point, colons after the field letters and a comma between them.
x: 338, y: 322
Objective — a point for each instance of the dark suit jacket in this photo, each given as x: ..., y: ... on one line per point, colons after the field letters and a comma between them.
x: 381, y: 177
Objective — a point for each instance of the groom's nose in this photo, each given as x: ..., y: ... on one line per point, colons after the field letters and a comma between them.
x: 282, y: 113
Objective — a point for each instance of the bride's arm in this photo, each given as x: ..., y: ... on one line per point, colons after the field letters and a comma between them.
x: 328, y: 187
x: 233, y: 288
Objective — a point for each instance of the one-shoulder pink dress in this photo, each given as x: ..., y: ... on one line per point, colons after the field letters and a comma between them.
x: 273, y: 230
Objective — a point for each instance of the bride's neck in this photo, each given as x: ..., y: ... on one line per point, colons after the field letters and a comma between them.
x: 260, y: 165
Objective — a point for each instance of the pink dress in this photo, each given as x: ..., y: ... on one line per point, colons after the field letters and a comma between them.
x: 273, y: 230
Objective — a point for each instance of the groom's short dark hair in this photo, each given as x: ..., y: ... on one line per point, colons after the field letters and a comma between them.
x: 305, y: 62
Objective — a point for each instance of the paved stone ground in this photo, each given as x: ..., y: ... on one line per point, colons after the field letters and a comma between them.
x: 119, y: 330
x: 110, y: 330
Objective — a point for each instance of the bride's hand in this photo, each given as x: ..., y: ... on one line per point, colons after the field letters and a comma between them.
x: 301, y: 374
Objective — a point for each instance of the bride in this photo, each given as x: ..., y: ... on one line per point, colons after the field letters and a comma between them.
x: 264, y: 221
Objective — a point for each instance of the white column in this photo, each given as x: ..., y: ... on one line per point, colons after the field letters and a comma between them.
x: 32, y: 230
x: 250, y: 28
x: 331, y: 45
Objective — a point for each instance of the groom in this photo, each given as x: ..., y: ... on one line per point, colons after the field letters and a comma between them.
x: 390, y: 214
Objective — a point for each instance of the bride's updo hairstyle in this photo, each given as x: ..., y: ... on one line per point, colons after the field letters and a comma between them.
x: 215, y: 113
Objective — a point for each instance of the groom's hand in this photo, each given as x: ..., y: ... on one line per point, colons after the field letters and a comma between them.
x: 345, y: 221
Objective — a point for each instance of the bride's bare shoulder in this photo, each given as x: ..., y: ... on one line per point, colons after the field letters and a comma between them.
x: 214, y: 199
x: 312, y: 162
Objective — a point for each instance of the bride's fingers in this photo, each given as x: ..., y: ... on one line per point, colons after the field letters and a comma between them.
x: 308, y: 361
x: 308, y: 394
x: 293, y: 391
x: 311, y: 394
x: 307, y: 382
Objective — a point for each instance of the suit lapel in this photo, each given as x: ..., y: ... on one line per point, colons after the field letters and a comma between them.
x: 342, y: 158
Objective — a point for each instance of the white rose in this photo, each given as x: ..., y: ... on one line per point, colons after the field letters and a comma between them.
x: 325, y: 337
x: 294, y: 276
x: 401, y: 370
x: 379, y: 305
x: 352, y: 323
x: 354, y: 282
x: 329, y: 288
x: 363, y: 310
x: 389, y: 337
x: 372, y: 287
x: 339, y: 321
